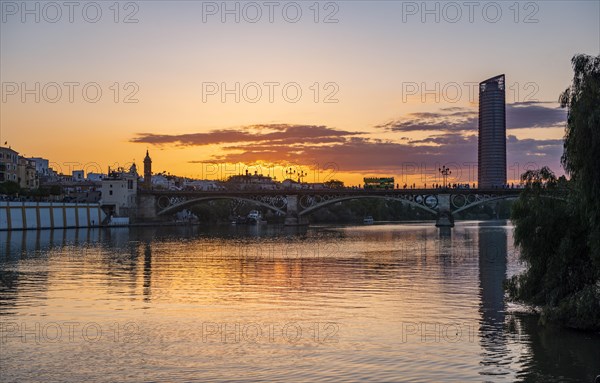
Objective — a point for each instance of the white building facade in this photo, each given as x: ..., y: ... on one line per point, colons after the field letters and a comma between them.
x: 119, y: 190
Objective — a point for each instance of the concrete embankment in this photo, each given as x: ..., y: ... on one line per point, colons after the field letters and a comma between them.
x: 49, y: 215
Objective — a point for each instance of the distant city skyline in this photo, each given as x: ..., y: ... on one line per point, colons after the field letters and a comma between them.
x: 386, y: 88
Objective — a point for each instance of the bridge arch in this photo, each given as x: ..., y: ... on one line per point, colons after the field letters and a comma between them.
x: 182, y: 205
x: 347, y: 198
x: 482, y: 201
x: 500, y: 197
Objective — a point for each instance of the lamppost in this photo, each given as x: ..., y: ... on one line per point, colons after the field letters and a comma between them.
x: 301, y: 174
x: 445, y: 172
x: 289, y: 172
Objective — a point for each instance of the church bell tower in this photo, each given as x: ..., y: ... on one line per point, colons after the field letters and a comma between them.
x: 147, y: 171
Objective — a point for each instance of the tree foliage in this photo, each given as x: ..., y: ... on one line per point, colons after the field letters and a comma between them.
x: 557, y: 222
x: 581, y: 157
x: 9, y: 187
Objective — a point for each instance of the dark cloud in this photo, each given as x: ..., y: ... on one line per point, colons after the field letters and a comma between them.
x: 535, y: 148
x: 276, y: 134
x: 453, y: 139
x: 455, y: 119
x: 446, y: 139
x: 534, y: 115
x: 364, y: 155
x: 214, y: 137
x: 452, y: 109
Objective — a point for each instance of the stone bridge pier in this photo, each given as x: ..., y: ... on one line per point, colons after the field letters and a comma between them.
x: 444, y: 217
x: 292, y: 218
x: 146, y: 208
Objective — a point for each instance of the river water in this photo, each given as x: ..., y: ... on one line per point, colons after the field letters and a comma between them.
x: 386, y: 302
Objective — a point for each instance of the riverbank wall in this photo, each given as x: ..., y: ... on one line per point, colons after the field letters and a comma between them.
x: 49, y: 215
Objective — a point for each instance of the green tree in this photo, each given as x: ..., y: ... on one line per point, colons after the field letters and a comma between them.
x: 581, y: 157
x: 557, y: 222
x: 56, y: 190
x: 9, y: 187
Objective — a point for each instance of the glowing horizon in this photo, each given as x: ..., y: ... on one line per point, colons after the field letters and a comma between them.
x: 384, y: 88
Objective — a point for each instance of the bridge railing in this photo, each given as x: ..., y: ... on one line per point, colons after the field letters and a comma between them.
x: 345, y: 191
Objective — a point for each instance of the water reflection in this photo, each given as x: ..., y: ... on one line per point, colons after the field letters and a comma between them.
x: 492, y: 273
x: 556, y: 355
x: 371, y: 280
x: 147, y: 271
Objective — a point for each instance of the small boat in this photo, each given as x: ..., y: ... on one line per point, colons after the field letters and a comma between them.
x: 368, y: 220
x: 254, y: 218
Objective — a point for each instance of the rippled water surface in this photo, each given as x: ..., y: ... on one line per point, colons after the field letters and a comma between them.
x: 394, y: 302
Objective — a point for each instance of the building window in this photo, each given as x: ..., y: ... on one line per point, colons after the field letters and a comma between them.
x: 110, y: 192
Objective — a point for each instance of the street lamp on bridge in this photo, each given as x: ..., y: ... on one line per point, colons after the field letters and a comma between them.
x: 291, y: 172
x: 301, y: 174
x: 445, y: 172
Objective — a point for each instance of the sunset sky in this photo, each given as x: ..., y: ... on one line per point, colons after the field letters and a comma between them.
x: 368, y: 71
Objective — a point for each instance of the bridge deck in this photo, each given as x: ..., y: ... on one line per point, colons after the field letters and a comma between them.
x: 358, y: 192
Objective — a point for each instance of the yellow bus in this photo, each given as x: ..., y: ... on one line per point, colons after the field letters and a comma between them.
x: 379, y: 182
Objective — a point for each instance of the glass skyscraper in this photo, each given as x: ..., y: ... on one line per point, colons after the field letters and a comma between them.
x: 491, y: 154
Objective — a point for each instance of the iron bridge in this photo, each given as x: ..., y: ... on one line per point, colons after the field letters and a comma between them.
x: 302, y: 202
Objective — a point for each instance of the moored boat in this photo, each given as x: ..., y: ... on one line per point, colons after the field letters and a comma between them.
x: 254, y: 218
